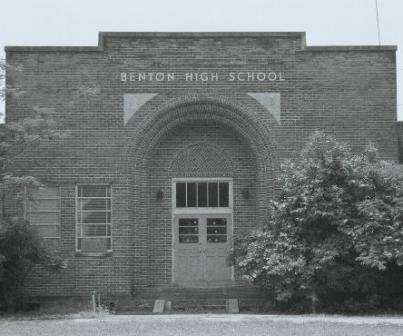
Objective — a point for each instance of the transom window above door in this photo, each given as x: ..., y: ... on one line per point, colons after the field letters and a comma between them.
x: 202, y: 194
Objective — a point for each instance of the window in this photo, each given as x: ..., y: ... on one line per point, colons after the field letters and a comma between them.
x: 94, y: 218
x: 216, y: 230
x: 43, y: 212
x: 202, y: 194
x: 188, y: 230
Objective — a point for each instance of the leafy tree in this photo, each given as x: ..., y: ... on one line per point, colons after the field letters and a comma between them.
x: 2, y: 72
x: 337, y: 222
x: 20, y: 248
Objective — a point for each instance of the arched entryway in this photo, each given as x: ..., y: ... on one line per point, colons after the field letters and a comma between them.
x: 201, y: 167
x: 201, y: 146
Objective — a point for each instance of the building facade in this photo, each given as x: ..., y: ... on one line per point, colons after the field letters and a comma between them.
x: 173, y: 143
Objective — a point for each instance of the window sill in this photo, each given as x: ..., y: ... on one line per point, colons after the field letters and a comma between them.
x: 93, y: 254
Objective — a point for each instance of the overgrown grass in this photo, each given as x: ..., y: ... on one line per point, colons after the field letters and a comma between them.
x: 192, y: 325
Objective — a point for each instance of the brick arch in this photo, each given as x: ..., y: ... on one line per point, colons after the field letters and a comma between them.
x: 155, y: 127
x: 218, y: 108
x: 201, y: 160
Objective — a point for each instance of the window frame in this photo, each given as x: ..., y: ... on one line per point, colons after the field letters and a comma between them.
x: 202, y: 210
x: 28, y: 205
x: 77, y: 198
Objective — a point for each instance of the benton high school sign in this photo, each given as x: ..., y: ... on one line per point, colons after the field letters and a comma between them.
x: 174, y: 146
x: 202, y: 76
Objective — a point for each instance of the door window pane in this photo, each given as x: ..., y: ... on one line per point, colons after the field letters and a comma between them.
x: 188, y: 239
x: 217, y: 230
x: 188, y: 230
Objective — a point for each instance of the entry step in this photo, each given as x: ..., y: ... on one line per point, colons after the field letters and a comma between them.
x: 159, y: 306
x: 232, y: 306
x: 207, y: 306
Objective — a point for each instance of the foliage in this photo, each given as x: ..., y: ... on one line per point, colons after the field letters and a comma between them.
x: 2, y: 75
x: 10, y: 90
x: 337, y: 222
x: 18, y: 137
x: 20, y: 248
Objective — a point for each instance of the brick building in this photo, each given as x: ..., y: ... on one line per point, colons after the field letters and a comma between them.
x: 174, y: 143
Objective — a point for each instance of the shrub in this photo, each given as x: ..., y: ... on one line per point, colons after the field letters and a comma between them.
x: 20, y: 250
x: 333, y: 233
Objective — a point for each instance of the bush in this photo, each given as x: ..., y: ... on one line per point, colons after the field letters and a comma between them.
x: 20, y: 250
x: 334, y: 234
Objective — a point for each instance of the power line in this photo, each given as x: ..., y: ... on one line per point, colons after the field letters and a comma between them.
x: 377, y: 22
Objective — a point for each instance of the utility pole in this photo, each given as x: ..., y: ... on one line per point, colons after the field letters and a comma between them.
x: 377, y: 22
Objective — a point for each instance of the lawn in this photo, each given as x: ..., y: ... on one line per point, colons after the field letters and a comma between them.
x: 189, y: 325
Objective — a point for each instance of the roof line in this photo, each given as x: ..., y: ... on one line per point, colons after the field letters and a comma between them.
x: 206, y: 34
x: 351, y: 48
x: 139, y: 35
x: 53, y: 48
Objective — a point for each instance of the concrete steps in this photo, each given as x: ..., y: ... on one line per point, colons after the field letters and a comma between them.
x: 191, y: 300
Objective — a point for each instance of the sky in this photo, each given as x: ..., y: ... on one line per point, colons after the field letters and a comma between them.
x: 326, y: 22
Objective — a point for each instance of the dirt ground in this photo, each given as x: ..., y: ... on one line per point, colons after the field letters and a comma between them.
x: 206, y: 324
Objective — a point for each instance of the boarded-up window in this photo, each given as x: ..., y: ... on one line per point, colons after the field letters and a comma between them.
x: 94, y: 218
x: 43, y: 212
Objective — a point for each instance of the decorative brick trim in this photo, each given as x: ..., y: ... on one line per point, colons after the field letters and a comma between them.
x: 201, y: 159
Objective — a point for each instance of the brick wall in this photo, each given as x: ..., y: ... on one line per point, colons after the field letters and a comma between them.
x: 347, y: 91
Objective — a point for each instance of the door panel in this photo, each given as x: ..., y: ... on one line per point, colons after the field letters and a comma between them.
x: 190, y: 268
x: 218, y: 229
x: 216, y: 269
x: 188, y: 257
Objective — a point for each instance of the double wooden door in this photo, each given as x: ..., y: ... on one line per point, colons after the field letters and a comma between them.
x: 202, y: 243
